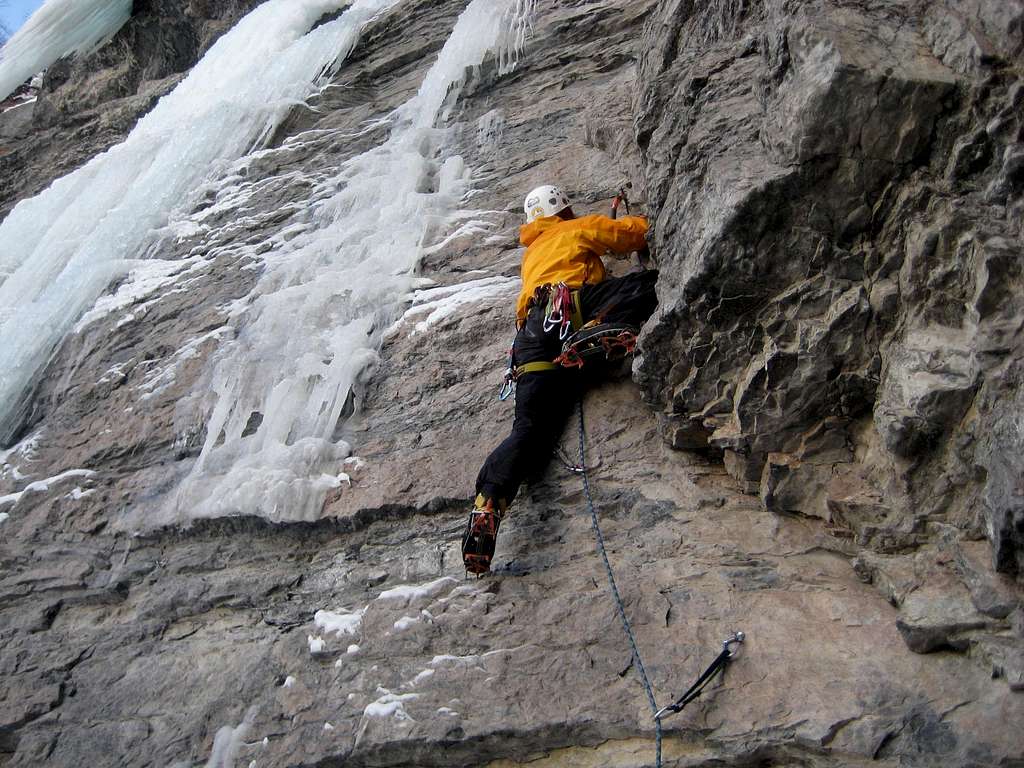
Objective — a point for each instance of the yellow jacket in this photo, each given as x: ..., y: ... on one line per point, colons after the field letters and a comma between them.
x: 570, y: 251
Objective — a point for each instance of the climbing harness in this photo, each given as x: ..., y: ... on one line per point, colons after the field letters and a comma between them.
x: 716, y: 666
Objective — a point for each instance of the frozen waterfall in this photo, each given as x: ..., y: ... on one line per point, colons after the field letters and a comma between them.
x: 60, y: 249
x: 314, y: 322
x: 57, y: 29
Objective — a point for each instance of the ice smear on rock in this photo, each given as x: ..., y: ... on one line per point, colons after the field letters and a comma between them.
x: 99, y: 219
x: 309, y: 331
x: 59, y: 28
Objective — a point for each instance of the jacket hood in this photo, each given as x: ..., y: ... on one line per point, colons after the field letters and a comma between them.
x: 530, y: 232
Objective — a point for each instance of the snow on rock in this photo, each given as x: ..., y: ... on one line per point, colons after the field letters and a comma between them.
x: 340, y: 623
x: 390, y: 705
x: 3, y: 517
x: 407, y: 593
x: 40, y: 486
x: 405, y: 622
x: 438, y: 304
x: 59, y: 28
x: 316, y: 644
x: 160, y: 378
x: 328, y: 727
x: 289, y: 681
x: 423, y: 676
x: 352, y: 650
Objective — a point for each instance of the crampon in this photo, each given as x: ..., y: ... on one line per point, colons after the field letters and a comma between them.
x: 608, y: 342
x: 480, y: 538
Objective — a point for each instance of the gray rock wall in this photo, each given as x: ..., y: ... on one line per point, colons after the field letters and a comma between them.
x: 840, y: 233
x: 821, y: 450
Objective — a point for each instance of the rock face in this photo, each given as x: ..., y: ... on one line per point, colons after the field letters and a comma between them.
x: 824, y: 450
x: 839, y: 232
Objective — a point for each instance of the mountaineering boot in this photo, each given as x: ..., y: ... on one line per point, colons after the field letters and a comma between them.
x: 481, y: 534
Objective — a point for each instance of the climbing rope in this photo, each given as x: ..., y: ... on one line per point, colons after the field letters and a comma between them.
x: 637, y: 661
x: 706, y: 677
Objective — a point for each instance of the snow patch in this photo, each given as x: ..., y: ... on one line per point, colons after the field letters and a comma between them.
x: 438, y: 304
x: 316, y: 644
x: 340, y: 623
x: 405, y: 622
x: 289, y: 681
x: 39, y: 486
x: 426, y: 674
x: 390, y: 705
x: 406, y: 593
x: 3, y: 517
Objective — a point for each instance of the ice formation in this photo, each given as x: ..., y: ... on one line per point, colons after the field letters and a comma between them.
x: 314, y: 322
x: 57, y: 29
x: 60, y: 249
x: 295, y: 348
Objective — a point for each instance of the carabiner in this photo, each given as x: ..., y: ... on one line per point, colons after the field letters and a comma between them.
x: 736, y: 638
x: 508, y: 386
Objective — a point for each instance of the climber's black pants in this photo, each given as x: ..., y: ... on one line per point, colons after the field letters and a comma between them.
x: 545, y: 399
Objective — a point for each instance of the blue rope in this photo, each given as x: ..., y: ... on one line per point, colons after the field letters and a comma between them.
x: 637, y: 661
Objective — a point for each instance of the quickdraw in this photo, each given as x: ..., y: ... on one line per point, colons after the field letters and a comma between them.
x: 697, y: 688
x: 561, y: 312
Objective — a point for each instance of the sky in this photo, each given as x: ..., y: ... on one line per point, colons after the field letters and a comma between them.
x: 14, y: 13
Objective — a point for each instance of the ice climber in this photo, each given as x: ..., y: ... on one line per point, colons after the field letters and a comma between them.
x: 564, y: 292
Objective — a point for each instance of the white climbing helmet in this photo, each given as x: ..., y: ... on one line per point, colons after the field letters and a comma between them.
x: 545, y: 201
